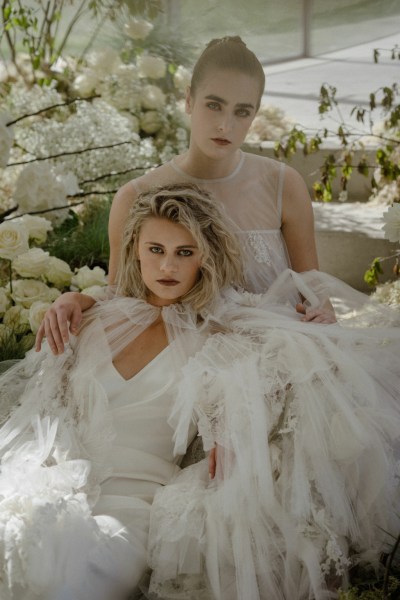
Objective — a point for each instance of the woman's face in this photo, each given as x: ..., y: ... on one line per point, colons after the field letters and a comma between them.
x: 169, y: 260
x: 222, y: 110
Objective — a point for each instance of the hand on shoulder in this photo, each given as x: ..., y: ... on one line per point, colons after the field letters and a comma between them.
x: 62, y: 319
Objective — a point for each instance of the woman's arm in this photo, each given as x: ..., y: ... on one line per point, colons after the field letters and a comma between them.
x: 298, y: 233
x: 65, y: 314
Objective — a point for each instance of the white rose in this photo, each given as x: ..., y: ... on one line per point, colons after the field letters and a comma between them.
x: 151, y: 121
x: 6, y: 138
x: 39, y: 188
x: 182, y: 78
x: 58, y: 272
x: 392, y: 225
x: 54, y: 293
x: 13, y: 240
x: 95, y: 291
x: 32, y: 263
x: 104, y: 62
x: 17, y: 319
x: 4, y: 301
x: 6, y: 334
x: 28, y: 291
x: 85, y: 83
x: 37, y: 227
x: 138, y: 29
x: 36, y: 314
x: 153, y: 67
x: 86, y: 277
x: 152, y: 97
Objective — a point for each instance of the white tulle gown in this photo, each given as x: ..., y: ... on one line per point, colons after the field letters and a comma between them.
x: 306, y: 419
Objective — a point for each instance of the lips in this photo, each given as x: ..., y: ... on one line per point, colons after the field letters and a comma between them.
x: 221, y: 141
x: 168, y: 282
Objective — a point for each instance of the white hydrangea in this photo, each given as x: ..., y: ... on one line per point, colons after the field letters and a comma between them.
x: 392, y: 223
x: 122, y: 89
x: 40, y: 188
x: 153, y: 67
x: 37, y: 227
x: 58, y: 272
x: 387, y: 194
x: 4, y: 301
x: 152, y: 97
x: 17, y: 319
x: 86, y: 277
x: 37, y: 311
x: 6, y: 138
x: 27, y: 291
x: 13, y: 240
x: 182, y: 78
x: 32, y: 263
x: 138, y: 29
x: 25, y: 100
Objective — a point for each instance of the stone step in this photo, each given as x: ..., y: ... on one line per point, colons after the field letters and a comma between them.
x: 349, y: 236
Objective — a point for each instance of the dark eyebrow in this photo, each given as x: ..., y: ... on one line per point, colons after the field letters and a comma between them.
x: 162, y: 245
x: 222, y: 101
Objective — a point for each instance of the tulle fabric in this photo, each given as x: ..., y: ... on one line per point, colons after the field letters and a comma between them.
x: 306, y: 420
x: 53, y: 450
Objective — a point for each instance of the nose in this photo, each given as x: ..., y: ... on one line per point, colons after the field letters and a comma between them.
x: 169, y: 264
x: 225, y: 123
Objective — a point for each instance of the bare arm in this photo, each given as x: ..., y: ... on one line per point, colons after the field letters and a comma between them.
x: 298, y: 232
x: 120, y: 207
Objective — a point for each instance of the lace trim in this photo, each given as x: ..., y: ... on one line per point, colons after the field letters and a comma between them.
x: 260, y: 247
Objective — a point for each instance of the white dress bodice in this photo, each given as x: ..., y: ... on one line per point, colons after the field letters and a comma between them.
x: 251, y: 197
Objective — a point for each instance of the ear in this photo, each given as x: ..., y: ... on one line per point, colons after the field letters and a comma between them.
x: 188, y: 101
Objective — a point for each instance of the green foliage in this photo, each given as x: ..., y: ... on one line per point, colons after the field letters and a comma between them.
x: 371, y: 276
x: 83, y: 241
x: 14, y: 346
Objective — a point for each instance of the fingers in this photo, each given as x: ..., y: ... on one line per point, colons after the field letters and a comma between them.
x: 319, y: 316
x: 212, y: 463
x: 55, y: 327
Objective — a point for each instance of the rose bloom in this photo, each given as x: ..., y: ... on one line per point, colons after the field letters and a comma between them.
x: 86, y: 277
x: 153, y: 67
x: 58, y: 272
x: 39, y: 188
x: 37, y: 227
x: 36, y: 313
x: 6, y: 139
x: 95, y: 291
x: 103, y: 62
x: 32, y: 263
x: 392, y: 224
x: 152, y: 97
x: 182, y: 78
x: 27, y: 291
x: 85, y: 83
x: 4, y: 301
x: 17, y: 319
x: 138, y: 29
x: 6, y: 334
x: 13, y: 240
x: 151, y: 121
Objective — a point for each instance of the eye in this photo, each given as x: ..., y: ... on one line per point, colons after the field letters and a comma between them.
x: 243, y: 112
x: 156, y: 249
x: 185, y: 252
x: 213, y: 105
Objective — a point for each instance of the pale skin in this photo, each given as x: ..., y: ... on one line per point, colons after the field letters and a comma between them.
x: 223, y: 108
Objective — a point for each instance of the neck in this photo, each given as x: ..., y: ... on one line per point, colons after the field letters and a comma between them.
x: 196, y: 164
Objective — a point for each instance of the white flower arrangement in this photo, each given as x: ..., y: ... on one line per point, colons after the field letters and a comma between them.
x: 13, y: 240
x: 152, y: 67
x: 37, y: 227
x: 31, y: 264
x: 86, y: 277
x: 138, y: 29
x: 6, y: 138
x: 270, y: 123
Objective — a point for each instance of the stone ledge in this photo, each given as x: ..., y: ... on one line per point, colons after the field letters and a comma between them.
x: 349, y: 236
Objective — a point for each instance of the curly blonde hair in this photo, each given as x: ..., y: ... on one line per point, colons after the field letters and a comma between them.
x: 194, y: 208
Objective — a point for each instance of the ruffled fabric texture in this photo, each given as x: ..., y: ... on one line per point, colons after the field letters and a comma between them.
x: 53, y: 448
x: 306, y: 420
